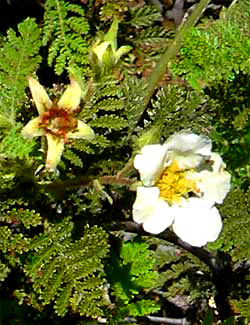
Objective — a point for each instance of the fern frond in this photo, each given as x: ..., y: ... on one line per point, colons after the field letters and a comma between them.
x: 244, y: 307
x: 12, y: 243
x: 216, y: 54
x: 144, y: 16
x: 110, y: 104
x: 16, y: 211
x: 236, y: 231
x: 70, y: 270
x: 153, y: 36
x: 4, y: 271
x: 61, y: 303
x: 83, y: 146
x: 73, y: 158
x: 14, y: 146
x: 177, y: 108
x: 111, y: 122
x: 65, y: 30
x: 19, y: 57
x: 134, y: 91
x: 89, y: 301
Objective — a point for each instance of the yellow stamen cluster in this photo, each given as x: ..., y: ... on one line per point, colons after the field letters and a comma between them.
x: 174, y: 185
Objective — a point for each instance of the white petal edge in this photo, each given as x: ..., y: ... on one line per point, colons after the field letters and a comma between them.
x: 150, y: 163
x: 185, y: 161
x: 152, y: 211
x: 214, y: 184
x: 186, y: 141
x: 197, y: 223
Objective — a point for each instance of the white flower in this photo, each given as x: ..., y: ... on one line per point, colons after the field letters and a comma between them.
x: 183, y: 179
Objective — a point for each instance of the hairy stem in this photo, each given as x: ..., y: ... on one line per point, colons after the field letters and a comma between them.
x: 172, y: 50
x: 85, y: 181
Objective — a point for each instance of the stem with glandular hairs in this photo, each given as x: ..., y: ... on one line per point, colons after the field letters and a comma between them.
x: 171, y: 52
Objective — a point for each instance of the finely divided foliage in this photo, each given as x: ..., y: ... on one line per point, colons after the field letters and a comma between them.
x: 65, y: 31
x: 69, y: 273
x: 61, y: 243
x: 19, y: 57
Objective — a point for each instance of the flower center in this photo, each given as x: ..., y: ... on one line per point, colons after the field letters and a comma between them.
x: 174, y: 185
x: 58, y: 122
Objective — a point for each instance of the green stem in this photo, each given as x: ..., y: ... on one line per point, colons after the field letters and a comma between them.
x: 86, y: 182
x: 172, y: 50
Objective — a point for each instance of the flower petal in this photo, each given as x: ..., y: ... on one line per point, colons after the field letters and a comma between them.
x: 151, y: 210
x: 39, y: 95
x: 55, y: 150
x: 150, y: 163
x: 197, y: 223
x: 218, y: 164
x: 215, y: 184
x: 71, y: 97
x: 83, y: 131
x: 32, y: 129
x: 186, y: 141
x: 188, y: 149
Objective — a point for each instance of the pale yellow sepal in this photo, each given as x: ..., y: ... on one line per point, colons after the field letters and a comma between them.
x: 39, y: 95
x: 32, y: 129
x: 107, y: 50
x: 83, y: 131
x: 70, y: 99
x: 54, y: 153
x: 100, y: 49
x: 122, y: 51
x: 111, y: 35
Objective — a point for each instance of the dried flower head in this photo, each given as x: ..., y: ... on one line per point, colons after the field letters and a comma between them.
x: 56, y: 120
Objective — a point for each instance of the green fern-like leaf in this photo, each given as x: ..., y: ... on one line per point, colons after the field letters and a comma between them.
x: 73, y: 158
x: 141, y: 308
x: 65, y: 30
x: 92, y: 292
x: 218, y: 53
x: 176, y: 108
x: 134, y: 272
x: 67, y: 272
x: 12, y: 243
x: 110, y: 122
x: 244, y: 307
x: 129, y: 274
x: 236, y: 231
x: 144, y: 16
x: 134, y: 90
x: 4, y: 271
x: 14, y: 146
x: 18, y: 58
x: 16, y: 211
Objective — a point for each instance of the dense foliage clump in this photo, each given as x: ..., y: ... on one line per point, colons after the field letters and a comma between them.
x: 69, y: 251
